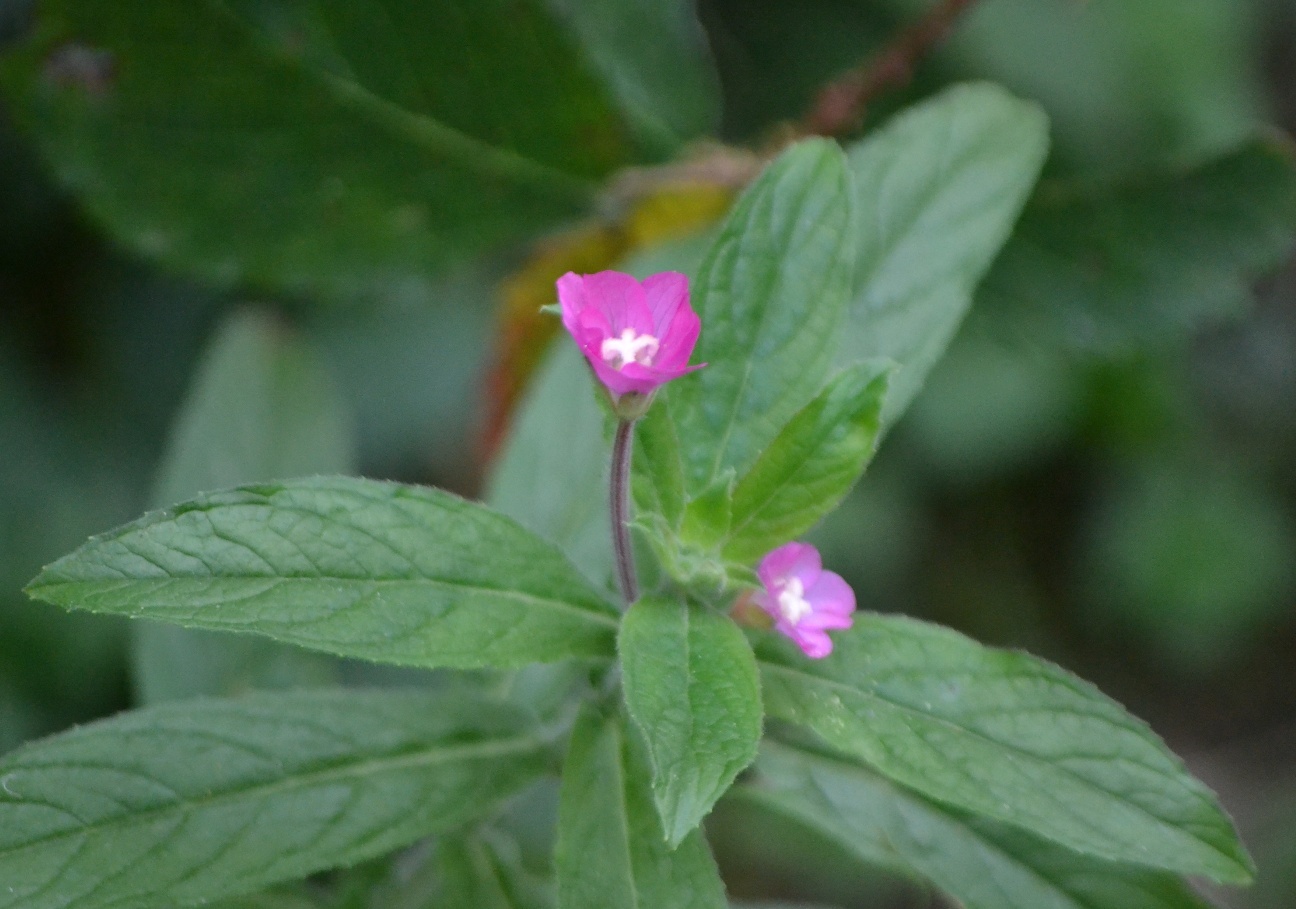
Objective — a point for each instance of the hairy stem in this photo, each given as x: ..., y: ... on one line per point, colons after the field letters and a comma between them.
x: 619, y: 499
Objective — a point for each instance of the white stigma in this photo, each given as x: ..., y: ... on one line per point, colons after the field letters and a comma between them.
x: 792, y: 602
x: 631, y: 347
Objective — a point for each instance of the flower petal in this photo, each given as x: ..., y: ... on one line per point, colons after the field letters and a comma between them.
x: 572, y: 300
x: 799, y: 560
x: 830, y: 594
x: 666, y: 293
x: 621, y: 299
x: 814, y: 644
x: 678, y: 340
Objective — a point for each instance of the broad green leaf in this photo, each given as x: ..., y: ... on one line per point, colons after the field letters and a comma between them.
x: 655, y: 58
x: 810, y: 466
x: 262, y: 407
x: 979, y: 863
x: 379, y: 571
x: 551, y: 476
x: 187, y: 802
x: 611, y: 853
x: 1116, y: 269
x: 318, y: 143
x: 938, y: 190
x: 770, y: 295
x: 1004, y: 735
x: 691, y: 687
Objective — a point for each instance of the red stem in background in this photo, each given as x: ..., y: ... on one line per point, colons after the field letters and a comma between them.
x: 841, y: 104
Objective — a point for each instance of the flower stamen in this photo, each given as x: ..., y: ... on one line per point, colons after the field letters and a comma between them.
x: 792, y: 602
x: 631, y: 347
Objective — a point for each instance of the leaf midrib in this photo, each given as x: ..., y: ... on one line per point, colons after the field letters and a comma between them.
x: 432, y: 134
x: 405, y: 760
x: 38, y: 590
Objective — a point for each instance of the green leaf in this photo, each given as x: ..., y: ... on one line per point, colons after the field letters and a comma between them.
x: 658, y: 469
x: 551, y: 474
x: 770, y: 295
x: 810, y: 466
x: 379, y: 571
x: 938, y: 190
x: 979, y: 863
x: 691, y: 687
x: 261, y: 407
x: 709, y: 515
x: 334, y: 143
x: 1115, y: 269
x: 655, y: 58
x: 484, y: 871
x: 611, y: 853
x: 1007, y: 736
x: 271, y: 899
x: 182, y: 803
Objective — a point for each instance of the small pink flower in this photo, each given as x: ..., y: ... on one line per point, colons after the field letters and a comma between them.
x: 636, y: 336
x: 804, y: 600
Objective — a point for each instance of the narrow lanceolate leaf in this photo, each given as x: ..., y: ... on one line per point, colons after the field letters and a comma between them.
x: 1004, y: 735
x: 332, y: 143
x: 979, y: 863
x: 380, y: 571
x: 261, y: 408
x: 691, y: 687
x: 771, y: 295
x: 188, y: 802
x: 550, y: 476
x: 810, y: 466
x: 938, y: 189
x: 1111, y: 270
x: 611, y: 853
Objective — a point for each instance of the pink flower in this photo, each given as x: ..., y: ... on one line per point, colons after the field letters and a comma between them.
x: 804, y: 600
x: 636, y: 336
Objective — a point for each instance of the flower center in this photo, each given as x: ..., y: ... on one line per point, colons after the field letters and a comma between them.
x: 792, y: 602
x: 631, y: 347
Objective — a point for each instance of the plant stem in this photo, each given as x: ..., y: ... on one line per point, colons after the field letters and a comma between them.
x: 840, y: 105
x: 619, y: 499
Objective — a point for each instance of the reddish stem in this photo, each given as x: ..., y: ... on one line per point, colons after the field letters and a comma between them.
x: 840, y: 105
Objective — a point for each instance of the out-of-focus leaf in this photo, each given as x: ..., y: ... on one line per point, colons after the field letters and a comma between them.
x: 1112, y: 270
x: 483, y: 871
x: 691, y: 686
x: 379, y: 571
x: 654, y: 56
x: 261, y: 408
x: 1123, y: 89
x: 810, y: 466
x: 770, y: 296
x: 981, y: 864
x: 938, y: 189
x: 182, y: 803
x: 611, y: 853
x: 333, y: 144
x: 550, y: 477
x: 1196, y: 557
x: 992, y: 406
x: 1004, y: 735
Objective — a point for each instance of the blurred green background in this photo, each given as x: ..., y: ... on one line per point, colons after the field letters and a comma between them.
x: 1102, y: 470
